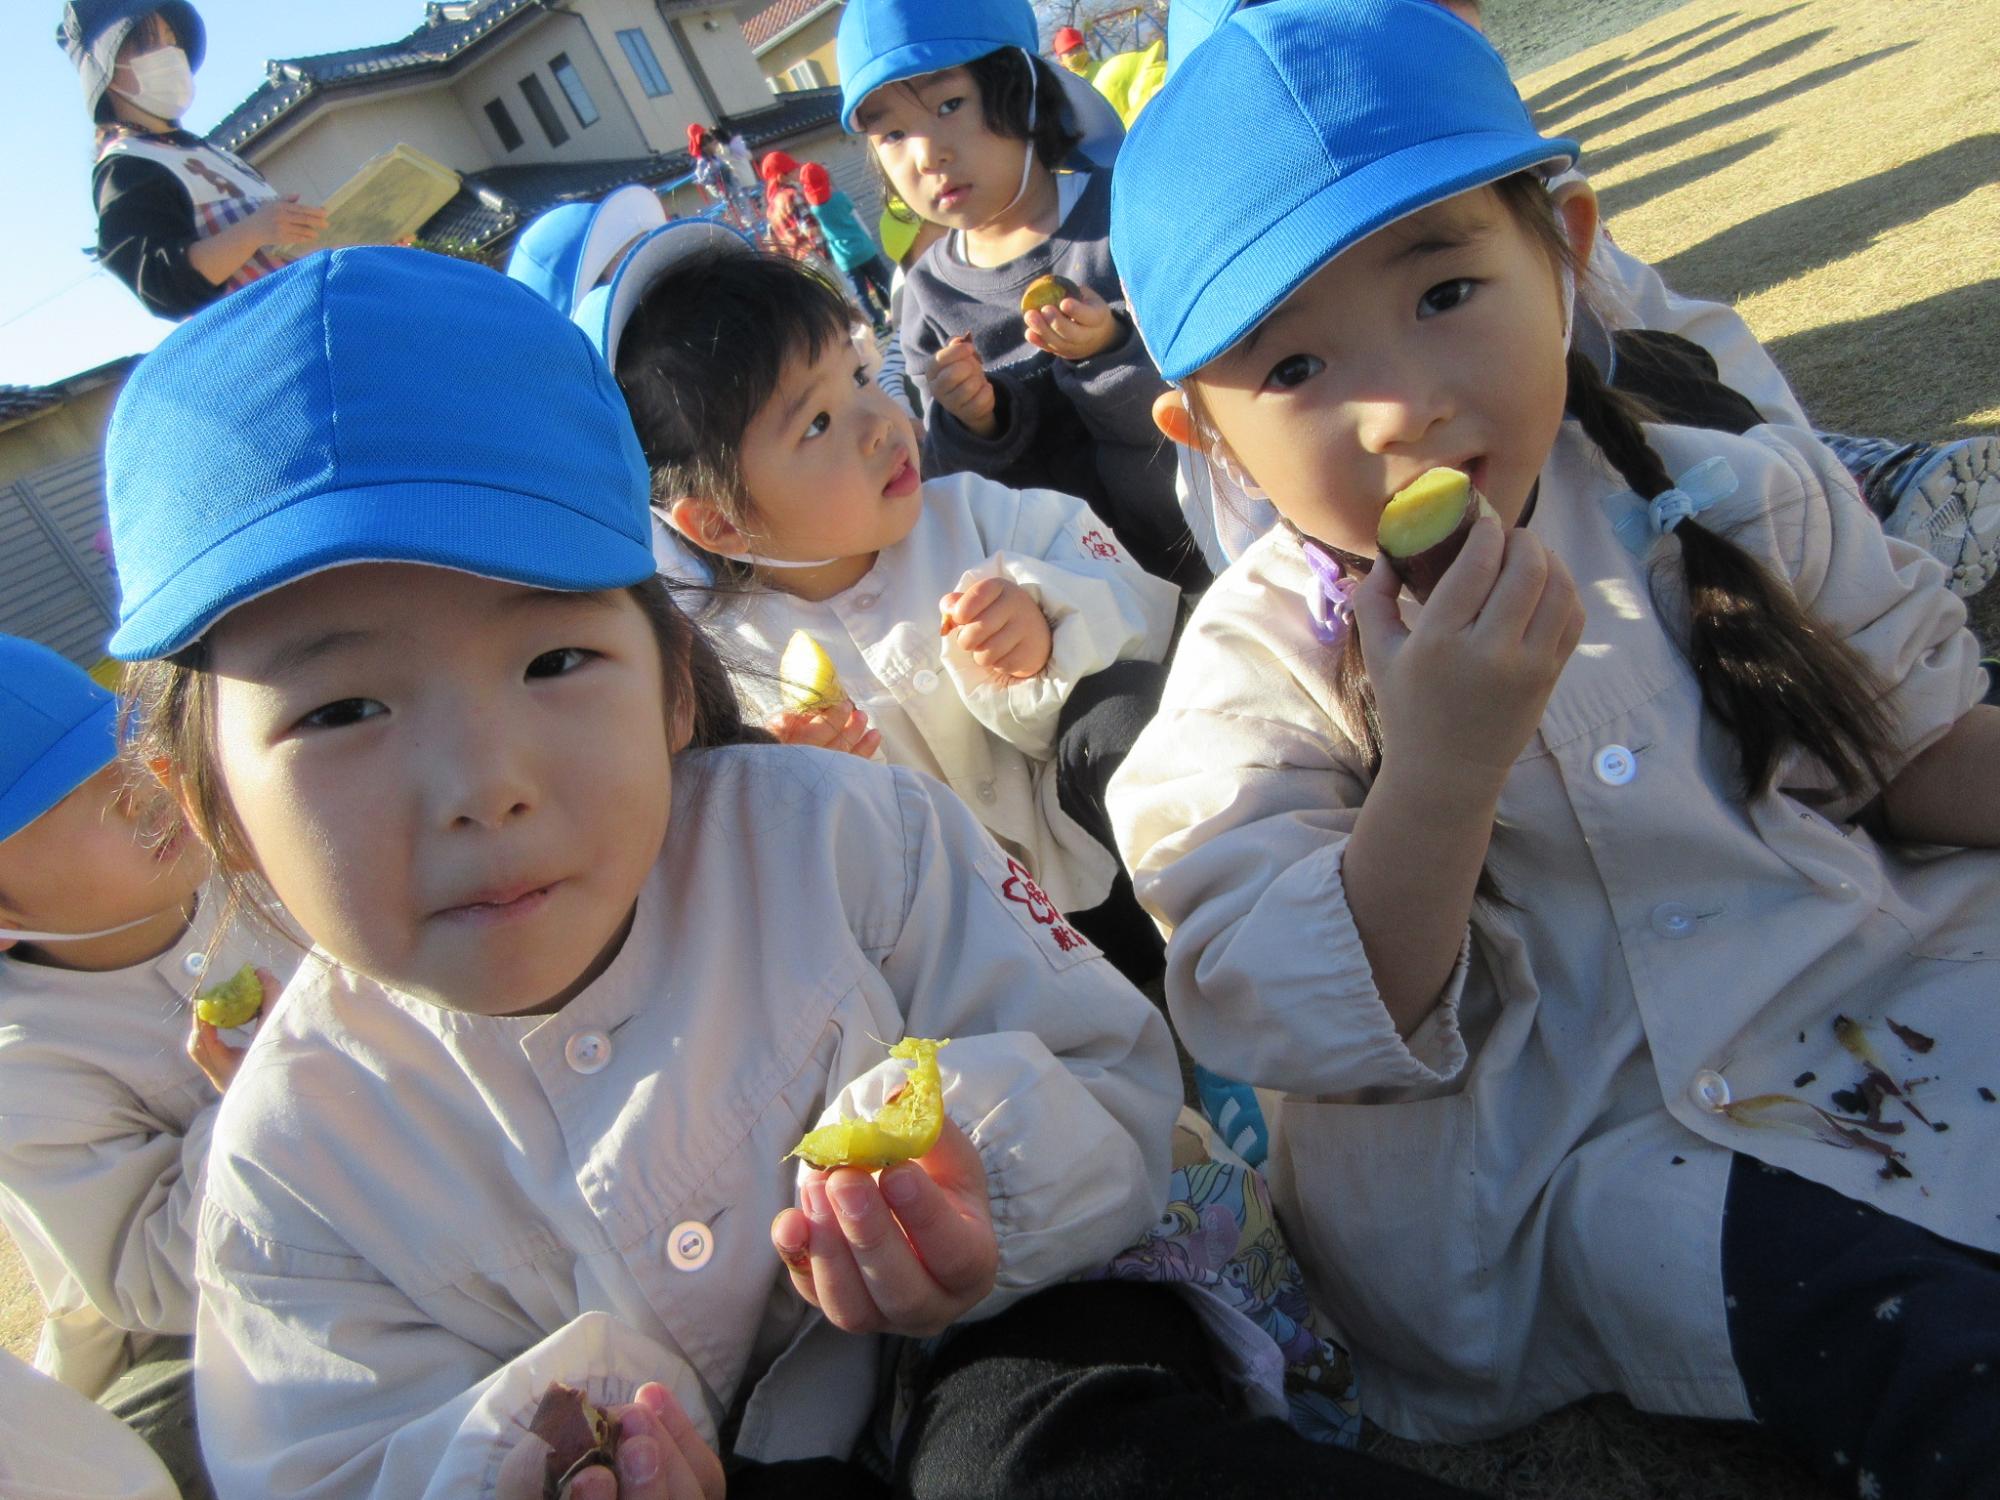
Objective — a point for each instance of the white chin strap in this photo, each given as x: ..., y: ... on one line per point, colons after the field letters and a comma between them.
x: 1028, y: 161
x: 1569, y: 306
x: 783, y: 562
x: 16, y: 935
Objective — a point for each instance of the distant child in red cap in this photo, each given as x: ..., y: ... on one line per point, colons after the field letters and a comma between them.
x: 853, y: 251
x: 794, y: 231
x: 715, y: 178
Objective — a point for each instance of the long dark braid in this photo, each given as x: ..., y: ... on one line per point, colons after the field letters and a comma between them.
x: 1768, y: 670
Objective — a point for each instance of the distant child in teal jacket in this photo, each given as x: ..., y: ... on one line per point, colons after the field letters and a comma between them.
x: 853, y: 251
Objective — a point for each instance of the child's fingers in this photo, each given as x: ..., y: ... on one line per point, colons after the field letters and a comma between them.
x: 901, y: 1292
x: 520, y: 1476
x: 976, y: 599
x: 990, y: 640
x: 1522, y: 580
x: 869, y: 744
x: 958, y: 1251
x: 791, y: 1237
x: 682, y: 1433
x: 838, y: 1288
x: 1462, y: 593
x: 1378, y: 615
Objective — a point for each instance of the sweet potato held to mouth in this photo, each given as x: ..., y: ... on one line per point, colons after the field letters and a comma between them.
x: 1424, y: 526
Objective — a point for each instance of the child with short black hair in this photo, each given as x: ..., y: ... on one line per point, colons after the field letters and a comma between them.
x: 974, y: 131
x: 975, y: 628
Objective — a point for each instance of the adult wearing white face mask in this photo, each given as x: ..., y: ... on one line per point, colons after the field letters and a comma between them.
x: 179, y: 221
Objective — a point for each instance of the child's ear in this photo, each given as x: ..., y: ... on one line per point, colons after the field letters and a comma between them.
x: 1171, y: 416
x: 703, y: 523
x: 1576, y: 212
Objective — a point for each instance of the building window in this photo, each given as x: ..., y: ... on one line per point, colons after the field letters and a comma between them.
x: 573, y: 89
x: 639, y: 53
x: 503, y: 124
x: 806, y: 75
x: 545, y: 110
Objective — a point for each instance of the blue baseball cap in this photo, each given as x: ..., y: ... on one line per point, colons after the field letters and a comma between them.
x: 885, y: 41
x: 1192, y: 22
x: 367, y: 405
x: 603, y: 314
x: 57, y: 730
x: 561, y: 254
x: 1370, y: 109
x: 92, y: 31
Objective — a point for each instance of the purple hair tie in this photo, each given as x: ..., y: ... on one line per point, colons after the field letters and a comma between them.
x: 1328, y: 604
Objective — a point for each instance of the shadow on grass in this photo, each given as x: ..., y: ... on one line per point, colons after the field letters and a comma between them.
x: 1672, y: 135
x: 1625, y: 82
x: 1913, y: 372
x: 1795, y: 237
x: 1623, y: 197
x: 1683, y: 36
x: 1638, y: 109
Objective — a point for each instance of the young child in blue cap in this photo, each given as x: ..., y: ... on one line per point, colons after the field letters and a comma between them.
x: 179, y: 221
x: 108, y: 1085
x: 589, y: 960
x: 1613, y: 928
x: 1697, y: 358
x: 972, y: 130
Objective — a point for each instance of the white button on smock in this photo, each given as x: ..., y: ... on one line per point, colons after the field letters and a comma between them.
x: 1615, y: 765
x: 1710, y: 1090
x: 1670, y: 919
x: 195, y: 963
x: 924, y: 680
x: 587, y: 1051
x: 986, y: 792
x: 690, y: 1245
x: 863, y: 601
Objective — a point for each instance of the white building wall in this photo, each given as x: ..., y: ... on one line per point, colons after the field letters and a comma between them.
x: 662, y: 121
x: 323, y: 152
x: 716, y: 38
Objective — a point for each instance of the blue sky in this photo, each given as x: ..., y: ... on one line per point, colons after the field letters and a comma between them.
x: 57, y: 314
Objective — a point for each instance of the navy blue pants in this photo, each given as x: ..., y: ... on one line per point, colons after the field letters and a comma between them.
x: 1870, y: 1345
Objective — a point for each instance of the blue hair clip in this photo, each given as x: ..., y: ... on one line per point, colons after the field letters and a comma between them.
x: 1328, y: 605
x: 1639, y: 523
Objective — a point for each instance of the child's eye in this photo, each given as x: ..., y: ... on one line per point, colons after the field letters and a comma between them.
x: 1445, y: 296
x: 887, y: 137
x: 950, y: 106
x: 340, y: 714
x: 556, y: 663
x: 818, y: 425
x: 1294, y: 370
x: 861, y: 377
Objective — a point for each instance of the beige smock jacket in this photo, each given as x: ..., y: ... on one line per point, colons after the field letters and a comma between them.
x: 104, y: 1130
x: 417, y: 1218
x: 990, y: 740
x: 55, y: 1445
x: 1523, y: 1204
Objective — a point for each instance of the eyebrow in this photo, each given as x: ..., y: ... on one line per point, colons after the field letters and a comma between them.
x: 592, y: 598
x: 1430, y: 233
x: 295, y: 655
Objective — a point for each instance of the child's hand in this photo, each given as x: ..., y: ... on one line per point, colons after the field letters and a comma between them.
x: 660, y: 1457
x: 842, y: 727
x: 959, y: 384
x: 998, y: 624
x: 218, y: 1060
x: 1465, y: 688
x: 1078, y: 327
x: 909, y: 1252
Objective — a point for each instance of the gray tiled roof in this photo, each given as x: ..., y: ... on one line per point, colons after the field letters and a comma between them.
x: 433, y: 46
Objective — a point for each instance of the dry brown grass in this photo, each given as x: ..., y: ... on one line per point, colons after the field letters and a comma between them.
x: 1833, y: 167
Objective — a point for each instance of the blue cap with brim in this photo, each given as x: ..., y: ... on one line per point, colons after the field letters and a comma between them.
x: 885, y: 41
x: 603, y: 314
x: 57, y: 730
x: 562, y: 254
x: 92, y: 31
x: 367, y: 405
x: 1369, y: 110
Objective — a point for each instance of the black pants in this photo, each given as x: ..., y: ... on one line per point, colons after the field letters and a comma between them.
x: 1102, y: 1389
x: 1094, y: 733
x: 870, y: 281
x: 155, y: 1398
x: 1869, y: 1344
